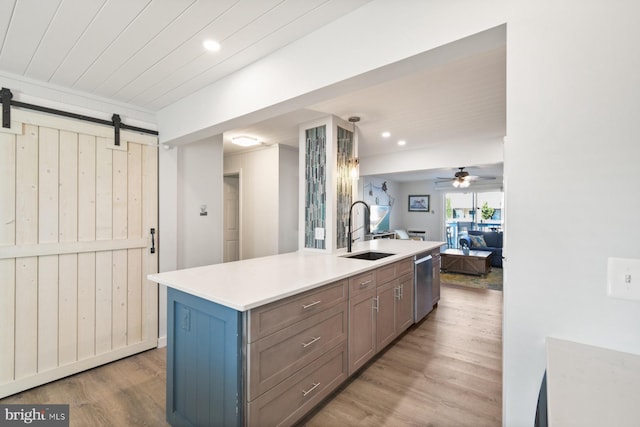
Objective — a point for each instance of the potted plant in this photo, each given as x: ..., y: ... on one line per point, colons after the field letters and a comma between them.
x: 486, y: 211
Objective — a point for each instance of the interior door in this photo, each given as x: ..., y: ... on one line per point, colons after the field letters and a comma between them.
x: 231, y: 218
x: 75, y: 248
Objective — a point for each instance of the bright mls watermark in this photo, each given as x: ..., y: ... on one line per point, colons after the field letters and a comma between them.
x: 34, y: 415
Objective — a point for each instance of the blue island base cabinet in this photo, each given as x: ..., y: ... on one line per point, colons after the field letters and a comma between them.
x: 204, y: 362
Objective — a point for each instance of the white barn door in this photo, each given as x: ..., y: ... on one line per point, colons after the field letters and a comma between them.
x: 75, y: 219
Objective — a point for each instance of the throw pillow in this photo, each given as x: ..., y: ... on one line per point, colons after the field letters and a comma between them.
x: 477, y: 241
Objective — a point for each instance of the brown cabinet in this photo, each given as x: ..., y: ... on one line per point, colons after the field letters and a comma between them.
x: 288, y: 401
x: 300, y: 349
x: 404, y: 302
x: 380, y: 309
x: 296, y: 354
x: 278, y: 315
x: 385, y: 309
x: 362, y: 319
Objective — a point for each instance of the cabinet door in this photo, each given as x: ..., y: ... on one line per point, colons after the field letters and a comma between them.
x: 362, y: 329
x: 404, y: 301
x: 435, y: 291
x: 386, y: 327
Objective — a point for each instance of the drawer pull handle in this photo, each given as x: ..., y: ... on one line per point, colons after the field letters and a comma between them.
x: 305, y: 306
x: 364, y: 284
x: 305, y: 345
x: 315, y: 385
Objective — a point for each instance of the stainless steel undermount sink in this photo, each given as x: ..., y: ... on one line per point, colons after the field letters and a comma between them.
x: 370, y: 255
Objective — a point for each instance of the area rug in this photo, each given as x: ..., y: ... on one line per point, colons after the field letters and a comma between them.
x: 493, y: 280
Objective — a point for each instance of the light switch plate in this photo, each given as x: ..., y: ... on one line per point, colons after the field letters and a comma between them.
x: 623, y: 278
x: 319, y: 233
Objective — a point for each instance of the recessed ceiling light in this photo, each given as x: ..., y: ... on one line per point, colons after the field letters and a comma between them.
x: 245, y: 141
x: 211, y: 45
x: 402, y: 142
x: 386, y: 134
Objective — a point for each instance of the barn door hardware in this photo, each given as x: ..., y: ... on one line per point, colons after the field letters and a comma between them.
x: 117, y: 122
x: 153, y: 242
x: 7, y: 101
x: 5, y: 97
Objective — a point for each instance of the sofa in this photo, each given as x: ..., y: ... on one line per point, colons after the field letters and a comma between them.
x: 491, y: 241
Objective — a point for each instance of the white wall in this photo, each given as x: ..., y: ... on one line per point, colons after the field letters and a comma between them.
x: 431, y: 222
x: 259, y: 201
x: 199, y: 238
x: 572, y: 148
x: 289, y: 176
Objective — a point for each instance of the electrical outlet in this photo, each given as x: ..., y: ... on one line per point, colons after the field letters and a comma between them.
x: 319, y: 232
x: 623, y: 278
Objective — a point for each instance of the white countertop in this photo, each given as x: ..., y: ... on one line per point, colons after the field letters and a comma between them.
x: 243, y: 285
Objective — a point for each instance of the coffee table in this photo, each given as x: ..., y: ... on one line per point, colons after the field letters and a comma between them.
x: 456, y: 261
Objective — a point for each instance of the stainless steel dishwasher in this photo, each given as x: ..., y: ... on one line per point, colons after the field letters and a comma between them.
x: 423, y: 284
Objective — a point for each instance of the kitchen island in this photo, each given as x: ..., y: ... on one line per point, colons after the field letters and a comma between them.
x: 262, y: 341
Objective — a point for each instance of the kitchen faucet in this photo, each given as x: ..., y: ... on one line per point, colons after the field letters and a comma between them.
x: 366, y: 223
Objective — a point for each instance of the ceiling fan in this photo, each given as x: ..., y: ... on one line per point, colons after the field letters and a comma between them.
x: 462, y: 178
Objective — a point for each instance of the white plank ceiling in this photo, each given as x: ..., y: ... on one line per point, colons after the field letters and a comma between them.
x: 149, y: 54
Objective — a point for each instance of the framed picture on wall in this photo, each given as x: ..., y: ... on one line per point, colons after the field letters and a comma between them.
x: 419, y: 203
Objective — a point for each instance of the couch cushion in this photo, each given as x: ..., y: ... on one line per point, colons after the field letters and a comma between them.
x: 493, y: 238
x: 477, y: 241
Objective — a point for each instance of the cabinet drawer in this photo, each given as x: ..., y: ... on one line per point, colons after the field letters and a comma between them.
x: 386, y: 274
x: 278, y: 315
x: 277, y: 356
x: 362, y: 282
x: 403, y: 267
x: 290, y: 400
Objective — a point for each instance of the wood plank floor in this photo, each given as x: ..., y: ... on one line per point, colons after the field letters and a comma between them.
x: 445, y: 371
x: 128, y: 392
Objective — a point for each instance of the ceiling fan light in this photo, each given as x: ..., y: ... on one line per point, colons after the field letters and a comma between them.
x: 245, y: 141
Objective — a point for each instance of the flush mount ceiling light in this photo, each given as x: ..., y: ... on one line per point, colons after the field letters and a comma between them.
x: 386, y: 134
x: 402, y: 142
x: 245, y: 141
x: 211, y: 45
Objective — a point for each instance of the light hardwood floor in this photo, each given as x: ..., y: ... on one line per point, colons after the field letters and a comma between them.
x: 445, y: 371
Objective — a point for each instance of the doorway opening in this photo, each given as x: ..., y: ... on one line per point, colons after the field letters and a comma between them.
x: 482, y: 211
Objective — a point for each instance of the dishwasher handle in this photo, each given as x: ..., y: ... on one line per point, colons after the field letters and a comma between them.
x: 423, y: 259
